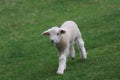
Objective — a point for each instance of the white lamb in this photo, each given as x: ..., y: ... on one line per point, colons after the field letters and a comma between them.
x: 64, y: 38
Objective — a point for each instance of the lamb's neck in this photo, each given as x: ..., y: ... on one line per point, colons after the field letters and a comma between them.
x: 62, y: 45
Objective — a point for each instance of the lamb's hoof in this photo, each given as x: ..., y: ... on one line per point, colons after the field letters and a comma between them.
x: 84, y: 58
x: 73, y: 58
x: 59, y: 72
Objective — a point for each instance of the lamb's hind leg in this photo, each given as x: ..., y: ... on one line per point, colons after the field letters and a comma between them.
x: 81, y: 47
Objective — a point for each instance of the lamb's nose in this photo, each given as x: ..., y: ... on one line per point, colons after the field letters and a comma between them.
x: 52, y: 41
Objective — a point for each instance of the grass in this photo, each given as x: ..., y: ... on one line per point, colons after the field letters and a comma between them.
x: 24, y: 54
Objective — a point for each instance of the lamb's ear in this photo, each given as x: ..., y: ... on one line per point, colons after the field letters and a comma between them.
x: 62, y: 31
x: 46, y: 33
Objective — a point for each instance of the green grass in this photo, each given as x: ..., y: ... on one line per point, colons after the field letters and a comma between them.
x: 26, y: 55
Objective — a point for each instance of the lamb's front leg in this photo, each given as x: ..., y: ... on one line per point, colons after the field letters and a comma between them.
x: 62, y: 64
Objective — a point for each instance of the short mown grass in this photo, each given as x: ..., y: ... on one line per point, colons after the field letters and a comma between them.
x: 26, y: 55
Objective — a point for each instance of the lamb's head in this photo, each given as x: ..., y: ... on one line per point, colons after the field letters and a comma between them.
x: 55, y: 34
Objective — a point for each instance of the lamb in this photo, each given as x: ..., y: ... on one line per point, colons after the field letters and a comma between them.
x: 64, y: 38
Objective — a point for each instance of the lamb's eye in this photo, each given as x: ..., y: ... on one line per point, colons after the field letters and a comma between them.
x: 57, y: 33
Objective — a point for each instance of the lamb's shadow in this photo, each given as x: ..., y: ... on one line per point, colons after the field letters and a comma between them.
x: 72, y: 64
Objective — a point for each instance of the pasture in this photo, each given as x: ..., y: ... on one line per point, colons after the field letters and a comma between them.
x: 27, y: 55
